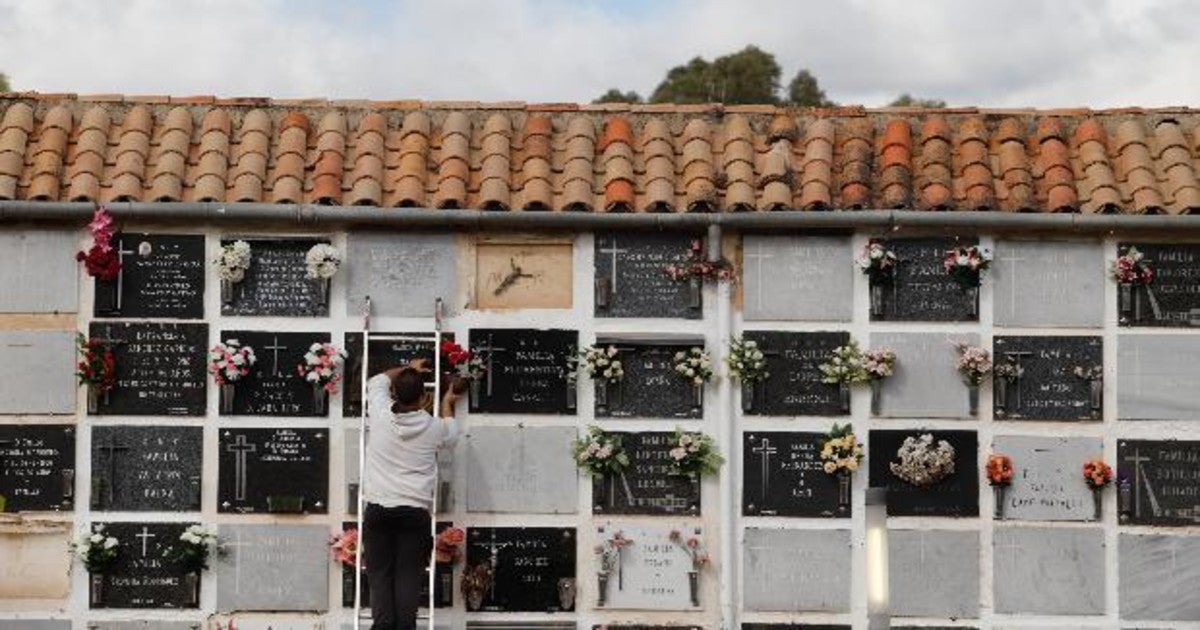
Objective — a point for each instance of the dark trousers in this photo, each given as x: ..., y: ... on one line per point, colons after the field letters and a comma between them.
x: 396, y: 549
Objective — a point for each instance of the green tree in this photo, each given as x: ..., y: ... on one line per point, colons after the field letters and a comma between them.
x: 908, y: 100
x: 806, y: 92
x: 613, y: 95
x: 750, y: 75
x: 4, y: 86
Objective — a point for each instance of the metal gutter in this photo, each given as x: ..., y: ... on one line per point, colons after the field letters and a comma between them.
x: 316, y: 216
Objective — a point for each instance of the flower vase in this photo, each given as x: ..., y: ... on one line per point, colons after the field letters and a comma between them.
x: 97, y: 589
x: 603, y: 293
x: 698, y: 396
x: 475, y: 392
x: 323, y: 291
x: 877, y: 291
x: 475, y: 599
x: 1096, y: 391
x: 191, y: 587
x: 226, y: 292
x: 320, y: 399
x: 694, y: 586
x: 227, y: 392
x: 747, y: 396
x: 1139, y: 302
x: 572, y: 394
x: 93, y: 400
x: 1125, y: 300
x: 844, y: 396
x: 877, y: 397
x: 998, y: 497
x: 1097, y: 503
x: 1001, y: 393
x: 106, y: 297
x: 695, y: 292
x: 602, y: 396
x: 843, y: 480
x: 566, y: 594
x: 973, y: 398
x: 602, y: 589
x: 973, y: 301
x: 1124, y: 501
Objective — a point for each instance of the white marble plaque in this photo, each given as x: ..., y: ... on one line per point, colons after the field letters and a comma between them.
x: 1049, y: 571
x: 273, y: 568
x: 803, y: 278
x: 653, y: 571
x: 521, y: 469
x: 934, y: 573
x: 796, y: 570
x: 144, y: 625
x: 1048, y: 480
x: 403, y: 273
x: 38, y: 371
x: 1160, y: 577
x: 35, y: 624
x: 1048, y: 283
x: 926, y: 383
x: 1157, y: 376
x: 40, y: 273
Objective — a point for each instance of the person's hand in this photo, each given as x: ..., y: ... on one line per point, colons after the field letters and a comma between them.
x: 420, y: 365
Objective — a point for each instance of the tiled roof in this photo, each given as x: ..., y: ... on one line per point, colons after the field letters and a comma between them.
x: 649, y: 158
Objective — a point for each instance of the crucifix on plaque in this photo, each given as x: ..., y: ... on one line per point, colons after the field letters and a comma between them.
x: 110, y: 483
x: 275, y: 354
x: 121, y: 252
x: 240, y: 448
x: 765, y: 450
x: 490, y: 349
x: 1138, y: 480
x: 145, y: 536
x: 613, y: 252
x: 494, y: 548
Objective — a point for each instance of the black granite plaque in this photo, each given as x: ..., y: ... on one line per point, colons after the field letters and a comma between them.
x: 1048, y: 387
x: 794, y: 387
x: 160, y: 368
x: 277, y: 283
x: 386, y: 352
x: 639, y: 626
x: 273, y: 470
x: 146, y: 574
x: 146, y: 469
x: 37, y: 467
x: 921, y: 290
x: 443, y: 584
x: 162, y: 275
x: 528, y: 564
x: 793, y: 626
x: 631, y: 269
x: 1173, y: 298
x: 526, y: 369
x: 1161, y: 482
x: 274, y: 387
x: 651, y: 388
x: 648, y: 486
x: 782, y: 475
x: 956, y: 495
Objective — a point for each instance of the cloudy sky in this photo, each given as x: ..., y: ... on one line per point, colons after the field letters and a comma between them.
x: 1053, y: 53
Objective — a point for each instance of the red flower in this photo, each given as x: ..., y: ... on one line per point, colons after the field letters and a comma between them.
x: 999, y: 470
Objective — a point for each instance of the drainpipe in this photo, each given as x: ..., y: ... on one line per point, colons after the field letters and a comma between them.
x: 319, y: 216
x: 726, y: 440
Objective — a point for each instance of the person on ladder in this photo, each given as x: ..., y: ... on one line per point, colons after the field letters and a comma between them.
x: 400, y: 476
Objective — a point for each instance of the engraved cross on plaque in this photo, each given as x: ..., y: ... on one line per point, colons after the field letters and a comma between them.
x: 275, y: 352
x: 121, y: 252
x: 765, y: 450
x: 1013, y: 274
x: 758, y: 256
x: 1138, y: 480
x: 145, y: 536
x: 494, y: 548
x: 490, y: 349
x: 1012, y: 547
x: 613, y: 251
x: 240, y: 448
x: 113, y: 448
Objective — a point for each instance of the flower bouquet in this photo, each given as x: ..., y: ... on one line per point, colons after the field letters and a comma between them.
x: 1134, y: 276
x: 1094, y: 376
x: 880, y: 363
x: 747, y: 364
x: 321, y: 367
x: 921, y: 462
x: 974, y: 363
x: 841, y: 453
x: 97, y: 369
x: 229, y: 362
x: 103, y: 262
x: 322, y: 262
x: 608, y: 552
x: 699, y: 558
x: 600, y: 453
x: 999, y: 475
x: 1004, y: 376
x: 879, y: 264
x: 696, y: 269
x: 192, y: 552
x: 966, y: 266
x: 603, y: 366
x: 1097, y: 475
x: 448, y: 544
x: 468, y: 368
x: 475, y: 584
x: 99, y: 553
x: 232, y: 262
x: 694, y: 453
x: 846, y: 367
x: 344, y: 548
x: 695, y: 365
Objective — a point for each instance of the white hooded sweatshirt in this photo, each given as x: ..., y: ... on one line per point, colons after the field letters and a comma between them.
x: 401, y: 464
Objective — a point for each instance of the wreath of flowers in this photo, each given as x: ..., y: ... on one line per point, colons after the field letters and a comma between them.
x: 1089, y: 373
x: 921, y: 462
x: 879, y: 363
x: 609, y: 552
x: 1008, y: 371
x: 467, y: 364
x: 322, y: 365
x: 695, y: 365
x: 599, y: 452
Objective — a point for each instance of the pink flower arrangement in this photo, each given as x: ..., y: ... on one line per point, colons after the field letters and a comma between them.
x: 877, y: 261
x: 1129, y: 268
x: 344, y: 547
x: 967, y: 264
x: 974, y: 362
x: 879, y: 362
x: 101, y: 260
x: 321, y: 366
x: 694, y: 548
x: 229, y: 362
x: 698, y: 266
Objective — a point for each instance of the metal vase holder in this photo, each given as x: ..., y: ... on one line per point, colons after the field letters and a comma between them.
x: 1139, y: 302
x: 1000, y: 385
x: 601, y: 395
x: 843, y: 480
x: 566, y: 594
x: 748, y: 396
x: 695, y: 292
x: 106, y: 297
x: 320, y: 399
x: 323, y: 286
x: 877, y: 397
x: 227, y: 392
x: 694, y: 587
x: 973, y: 301
x: 1125, y: 300
x: 191, y: 584
x: 1124, y: 501
x: 973, y: 398
x: 878, y: 289
x: 226, y: 292
x: 572, y: 393
x: 844, y: 396
x: 998, y: 498
x: 1097, y: 504
x: 97, y: 589
x: 603, y: 293
x: 1096, y: 393
x: 95, y: 398
x: 475, y: 392
x: 602, y: 589
x: 698, y: 396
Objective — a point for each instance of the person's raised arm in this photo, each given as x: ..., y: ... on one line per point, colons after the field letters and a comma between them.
x: 449, y: 421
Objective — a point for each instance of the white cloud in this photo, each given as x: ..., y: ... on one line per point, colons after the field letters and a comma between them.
x: 977, y: 52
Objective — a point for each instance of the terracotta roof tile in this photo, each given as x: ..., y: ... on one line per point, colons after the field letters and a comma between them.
x: 694, y: 158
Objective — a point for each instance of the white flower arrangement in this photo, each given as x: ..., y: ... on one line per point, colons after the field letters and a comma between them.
x: 234, y: 261
x: 846, y: 365
x: 746, y: 361
x: 96, y: 550
x: 321, y: 365
x: 1008, y: 371
x: 921, y: 462
x: 195, y: 544
x: 1087, y: 373
x: 323, y: 261
x: 230, y: 361
x: 695, y: 365
x: 603, y: 364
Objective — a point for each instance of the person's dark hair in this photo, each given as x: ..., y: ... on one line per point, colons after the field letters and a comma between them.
x: 408, y: 387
